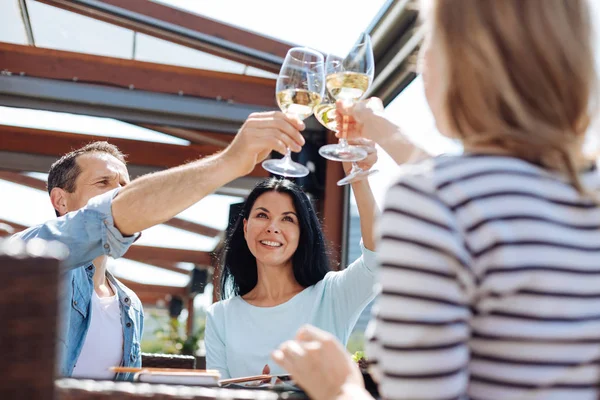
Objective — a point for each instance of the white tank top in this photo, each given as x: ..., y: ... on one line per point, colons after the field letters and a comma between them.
x: 103, y: 346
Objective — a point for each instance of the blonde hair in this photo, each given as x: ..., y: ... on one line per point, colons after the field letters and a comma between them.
x: 518, y: 75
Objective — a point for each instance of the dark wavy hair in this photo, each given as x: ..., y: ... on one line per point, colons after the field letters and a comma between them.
x: 310, y: 261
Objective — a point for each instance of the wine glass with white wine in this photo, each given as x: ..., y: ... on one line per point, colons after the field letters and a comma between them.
x: 300, y: 87
x: 347, y: 79
x: 326, y: 114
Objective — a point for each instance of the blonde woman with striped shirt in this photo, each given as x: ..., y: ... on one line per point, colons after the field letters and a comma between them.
x: 490, y: 261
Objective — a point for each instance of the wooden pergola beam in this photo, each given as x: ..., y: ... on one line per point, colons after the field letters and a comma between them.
x: 14, y: 225
x: 54, y: 143
x: 153, y: 12
x: 23, y: 180
x: 148, y: 254
x: 150, y: 298
x: 159, y: 290
x: 169, y: 266
x: 140, y: 75
x: 221, y: 140
x: 194, y: 227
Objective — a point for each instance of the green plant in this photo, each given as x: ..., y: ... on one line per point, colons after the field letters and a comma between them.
x: 357, y: 356
x: 174, y: 340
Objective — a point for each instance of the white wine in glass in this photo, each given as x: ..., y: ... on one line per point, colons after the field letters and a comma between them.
x: 326, y: 114
x: 347, y: 86
x: 347, y: 79
x: 298, y: 102
x: 299, y: 89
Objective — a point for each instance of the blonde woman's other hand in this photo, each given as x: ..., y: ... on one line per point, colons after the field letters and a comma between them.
x: 368, y: 162
x: 318, y: 363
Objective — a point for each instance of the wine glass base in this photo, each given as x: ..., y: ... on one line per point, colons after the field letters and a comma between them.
x: 336, y: 152
x: 287, y: 168
x: 356, y: 176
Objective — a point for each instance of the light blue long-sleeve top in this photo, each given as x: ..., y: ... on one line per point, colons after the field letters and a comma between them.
x: 240, y: 337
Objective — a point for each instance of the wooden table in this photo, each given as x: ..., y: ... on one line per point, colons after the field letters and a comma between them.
x: 78, y: 389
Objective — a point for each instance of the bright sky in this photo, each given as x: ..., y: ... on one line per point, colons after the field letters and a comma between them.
x: 302, y: 22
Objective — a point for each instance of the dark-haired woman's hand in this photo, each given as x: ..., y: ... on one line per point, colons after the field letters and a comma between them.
x: 371, y: 159
x: 363, y: 119
x: 261, y: 134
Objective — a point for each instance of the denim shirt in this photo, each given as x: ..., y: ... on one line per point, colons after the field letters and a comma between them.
x: 89, y: 233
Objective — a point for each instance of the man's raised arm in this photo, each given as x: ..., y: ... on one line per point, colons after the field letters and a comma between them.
x: 158, y: 197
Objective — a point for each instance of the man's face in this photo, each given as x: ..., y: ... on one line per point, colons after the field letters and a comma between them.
x: 100, y: 172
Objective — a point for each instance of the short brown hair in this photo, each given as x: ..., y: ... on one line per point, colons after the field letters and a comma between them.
x: 519, y: 75
x: 64, y: 172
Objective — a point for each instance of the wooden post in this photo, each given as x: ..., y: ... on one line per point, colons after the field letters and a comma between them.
x: 190, y: 318
x: 333, y: 209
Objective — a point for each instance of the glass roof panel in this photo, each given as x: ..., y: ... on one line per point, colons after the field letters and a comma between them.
x: 212, y: 211
x: 23, y: 205
x: 307, y: 22
x: 59, y: 29
x: 83, y: 124
x: 12, y: 29
x: 55, y: 28
x: 145, y: 273
x: 156, y: 50
x: 167, y: 236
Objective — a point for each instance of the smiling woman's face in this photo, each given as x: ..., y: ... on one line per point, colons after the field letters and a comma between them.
x: 272, y: 230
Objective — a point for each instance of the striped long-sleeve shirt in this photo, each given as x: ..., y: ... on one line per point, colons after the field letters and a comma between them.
x: 490, y: 283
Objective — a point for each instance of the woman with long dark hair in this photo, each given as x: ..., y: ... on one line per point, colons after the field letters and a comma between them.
x: 275, y: 277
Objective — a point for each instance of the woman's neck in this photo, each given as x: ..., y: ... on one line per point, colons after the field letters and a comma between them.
x: 275, y: 285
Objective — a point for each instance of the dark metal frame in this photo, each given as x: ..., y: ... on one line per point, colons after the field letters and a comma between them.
x: 26, y: 22
x: 396, y: 40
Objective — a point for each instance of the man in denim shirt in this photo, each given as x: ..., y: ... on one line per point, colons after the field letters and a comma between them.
x: 100, y: 214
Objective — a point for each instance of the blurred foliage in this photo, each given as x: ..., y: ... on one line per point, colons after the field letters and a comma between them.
x: 169, y: 334
x: 356, y: 342
x: 357, y: 356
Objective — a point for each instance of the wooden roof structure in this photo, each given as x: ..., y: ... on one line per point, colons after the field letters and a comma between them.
x: 204, y: 107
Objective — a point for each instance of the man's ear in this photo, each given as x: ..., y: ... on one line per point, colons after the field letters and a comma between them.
x: 58, y: 197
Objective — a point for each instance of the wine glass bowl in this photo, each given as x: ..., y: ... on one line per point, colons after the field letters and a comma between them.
x: 300, y: 87
x: 347, y: 79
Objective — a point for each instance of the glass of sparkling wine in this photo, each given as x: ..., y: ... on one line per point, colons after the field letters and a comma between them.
x: 326, y: 114
x: 300, y: 87
x: 348, y: 79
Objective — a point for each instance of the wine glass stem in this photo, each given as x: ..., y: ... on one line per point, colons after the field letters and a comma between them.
x: 287, y: 159
x: 355, y: 168
x: 342, y: 140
